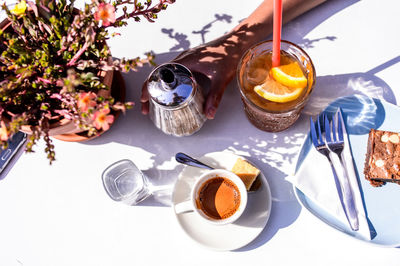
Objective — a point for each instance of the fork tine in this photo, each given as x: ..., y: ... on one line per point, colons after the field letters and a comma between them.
x: 319, y: 131
x: 339, y: 125
x: 333, y: 129
x: 327, y: 129
x: 313, y: 132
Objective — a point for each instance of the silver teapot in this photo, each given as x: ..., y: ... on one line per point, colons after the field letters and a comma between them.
x: 176, y: 100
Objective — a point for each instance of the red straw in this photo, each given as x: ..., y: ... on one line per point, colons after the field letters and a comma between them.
x: 276, y: 43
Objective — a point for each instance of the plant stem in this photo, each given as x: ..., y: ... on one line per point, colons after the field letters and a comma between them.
x: 78, y: 54
x: 155, y: 9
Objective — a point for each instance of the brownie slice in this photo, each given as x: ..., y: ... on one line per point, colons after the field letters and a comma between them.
x: 382, y: 162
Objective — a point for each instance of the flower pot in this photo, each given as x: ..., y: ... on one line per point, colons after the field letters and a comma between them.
x: 66, y: 126
x: 117, y: 90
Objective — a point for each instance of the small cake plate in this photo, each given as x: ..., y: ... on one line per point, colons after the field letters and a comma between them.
x: 222, y: 237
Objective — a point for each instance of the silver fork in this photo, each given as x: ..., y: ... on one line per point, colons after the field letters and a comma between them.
x: 320, y: 145
x: 335, y: 142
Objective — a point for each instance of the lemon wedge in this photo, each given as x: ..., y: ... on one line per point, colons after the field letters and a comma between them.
x: 289, y: 75
x: 275, y: 92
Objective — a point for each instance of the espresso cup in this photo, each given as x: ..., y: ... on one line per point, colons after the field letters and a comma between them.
x: 218, y: 197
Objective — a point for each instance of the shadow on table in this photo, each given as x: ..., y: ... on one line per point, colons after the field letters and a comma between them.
x: 182, y: 39
x: 329, y: 88
x: 299, y: 28
x: 274, y: 153
x: 285, y: 208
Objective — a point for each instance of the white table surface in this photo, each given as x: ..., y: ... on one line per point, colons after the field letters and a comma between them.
x: 61, y: 215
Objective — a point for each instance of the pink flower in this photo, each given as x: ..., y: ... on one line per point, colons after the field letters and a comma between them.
x: 105, y: 13
x: 85, y: 100
x: 4, y: 133
x: 102, y: 120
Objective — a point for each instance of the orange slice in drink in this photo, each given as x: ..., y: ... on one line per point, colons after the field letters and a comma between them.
x: 275, y: 92
x: 289, y: 75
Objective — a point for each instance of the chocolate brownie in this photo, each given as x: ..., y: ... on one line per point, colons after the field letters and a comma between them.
x: 382, y: 163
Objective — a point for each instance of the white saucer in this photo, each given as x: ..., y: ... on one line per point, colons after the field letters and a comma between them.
x: 222, y: 237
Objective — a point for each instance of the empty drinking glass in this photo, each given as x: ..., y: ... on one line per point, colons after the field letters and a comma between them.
x: 124, y: 182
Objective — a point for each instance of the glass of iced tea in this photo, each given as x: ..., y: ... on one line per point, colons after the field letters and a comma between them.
x: 274, y: 97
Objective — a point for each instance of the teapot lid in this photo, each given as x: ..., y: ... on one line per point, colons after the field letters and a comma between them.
x: 170, y: 84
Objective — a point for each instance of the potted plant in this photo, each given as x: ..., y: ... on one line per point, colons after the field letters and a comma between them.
x: 56, y: 68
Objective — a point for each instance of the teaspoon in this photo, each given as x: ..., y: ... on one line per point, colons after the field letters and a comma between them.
x: 186, y: 159
x: 183, y: 158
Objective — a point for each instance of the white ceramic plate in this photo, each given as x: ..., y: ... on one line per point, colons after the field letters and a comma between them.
x: 362, y: 113
x: 222, y: 237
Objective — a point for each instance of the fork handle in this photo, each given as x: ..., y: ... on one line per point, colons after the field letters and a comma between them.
x: 346, y: 195
x: 349, y: 197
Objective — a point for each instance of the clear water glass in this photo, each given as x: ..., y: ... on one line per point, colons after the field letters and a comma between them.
x: 124, y: 182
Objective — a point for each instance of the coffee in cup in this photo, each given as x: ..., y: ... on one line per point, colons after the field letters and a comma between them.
x: 218, y: 196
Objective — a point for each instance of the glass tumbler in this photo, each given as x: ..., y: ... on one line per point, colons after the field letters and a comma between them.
x: 252, y: 70
x: 124, y: 182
